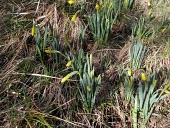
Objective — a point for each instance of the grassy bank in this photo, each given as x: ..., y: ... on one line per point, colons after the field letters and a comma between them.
x: 85, y: 63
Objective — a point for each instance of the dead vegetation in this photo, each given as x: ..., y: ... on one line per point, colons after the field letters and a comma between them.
x: 31, y: 92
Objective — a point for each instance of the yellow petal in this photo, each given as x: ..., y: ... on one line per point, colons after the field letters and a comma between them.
x: 129, y: 72
x: 74, y: 17
x: 163, y: 30
x: 71, y: 1
x: 150, y: 13
x: 143, y: 76
x: 49, y: 51
x: 88, y: 88
x: 107, y: 20
x: 97, y: 6
x: 126, y: 1
x: 167, y: 92
x: 111, y: 4
x: 33, y: 31
x: 69, y: 64
x: 68, y: 76
x: 65, y: 79
x: 149, y: 4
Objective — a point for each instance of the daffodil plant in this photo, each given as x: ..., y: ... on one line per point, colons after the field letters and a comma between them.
x: 101, y: 21
x: 146, y: 98
x: 137, y: 52
x: 88, y: 85
x: 89, y: 88
x: 45, y: 38
x: 140, y: 30
x: 129, y: 85
x: 129, y: 4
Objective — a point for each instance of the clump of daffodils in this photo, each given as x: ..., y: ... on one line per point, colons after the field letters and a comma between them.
x: 71, y: 2
x: 74, y: 17
x: 143, y: 77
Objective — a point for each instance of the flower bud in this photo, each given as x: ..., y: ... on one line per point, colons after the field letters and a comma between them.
x: 143, y: 77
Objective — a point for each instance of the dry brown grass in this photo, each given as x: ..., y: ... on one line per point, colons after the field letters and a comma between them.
x: 23, y: 97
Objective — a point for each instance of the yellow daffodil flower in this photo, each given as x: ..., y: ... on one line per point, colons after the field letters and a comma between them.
x: 97, y: 6
x: 88, y: 89
x: 167, y: 92
x: 69, y: 63
x: 143, y: 76
x: 163, y: 30
x: 33, y: 31
x: 149, y: 4
x: 74, y: 17
x: 65, y: 79
x: 71, y: 2
x: 150, y: 13
x: 107, y: 20
x: 129, y: 72
x: 111, y: 4
x: 126, y: 1
x: 68, y: 76
x: 49, y: 51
